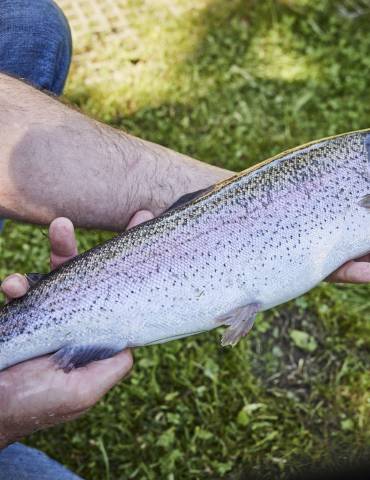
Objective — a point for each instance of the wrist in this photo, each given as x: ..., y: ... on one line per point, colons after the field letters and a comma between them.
x: 169, y: 175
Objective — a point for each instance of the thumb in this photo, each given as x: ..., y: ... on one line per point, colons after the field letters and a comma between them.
x: 140, y: 217
x: 97, y: 378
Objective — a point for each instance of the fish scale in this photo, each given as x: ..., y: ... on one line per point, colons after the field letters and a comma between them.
x: 247, y: 244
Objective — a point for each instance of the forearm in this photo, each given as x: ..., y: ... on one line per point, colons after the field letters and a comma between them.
x: 54, y: 161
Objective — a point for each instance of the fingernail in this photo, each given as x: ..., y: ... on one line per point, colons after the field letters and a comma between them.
x: 16, y: 281
x: 146, y: 215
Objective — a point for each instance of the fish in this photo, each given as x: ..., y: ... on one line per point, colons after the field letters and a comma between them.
x: 216, y: 258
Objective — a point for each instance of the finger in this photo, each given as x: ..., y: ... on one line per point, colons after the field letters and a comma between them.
x: 14, y: 286
x: 140, y: 217
x: 62, y: 241
x: 365, y: 258
x: 351, y: 272
x: 98, y: 377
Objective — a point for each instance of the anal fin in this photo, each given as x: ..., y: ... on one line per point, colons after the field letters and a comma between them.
x: 240, y: 321
x: 71, y: 356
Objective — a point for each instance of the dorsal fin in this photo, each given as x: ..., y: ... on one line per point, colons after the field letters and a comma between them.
x: 188, y: 197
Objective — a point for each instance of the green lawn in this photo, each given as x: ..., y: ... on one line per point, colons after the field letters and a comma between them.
x: 230, y: 82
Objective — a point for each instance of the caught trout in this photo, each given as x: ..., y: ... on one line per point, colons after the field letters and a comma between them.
x: 256, y: 240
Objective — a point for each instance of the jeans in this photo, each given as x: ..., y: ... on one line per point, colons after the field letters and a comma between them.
x: 36, y: 46
x: 18, y: 462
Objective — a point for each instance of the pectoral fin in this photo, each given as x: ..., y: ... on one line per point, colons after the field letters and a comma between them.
x: 240, y: 321
x: 70, y: 356
x: 34, y: 278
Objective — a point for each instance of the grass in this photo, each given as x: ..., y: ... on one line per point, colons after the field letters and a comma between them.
x: 230, y: 83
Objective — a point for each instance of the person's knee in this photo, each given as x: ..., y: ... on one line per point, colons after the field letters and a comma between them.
x: 34, y: 16
x: 35, y: 42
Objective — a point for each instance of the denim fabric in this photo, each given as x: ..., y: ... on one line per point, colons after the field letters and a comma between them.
x: 18, y: 462
x: 35, y: 44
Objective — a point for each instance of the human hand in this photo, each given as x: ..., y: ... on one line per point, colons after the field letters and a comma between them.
x: 354, y: 271
x: 35, y: 394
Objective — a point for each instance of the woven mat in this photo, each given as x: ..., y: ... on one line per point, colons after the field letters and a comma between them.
x: 115, y: 49
x: 102, y: 20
